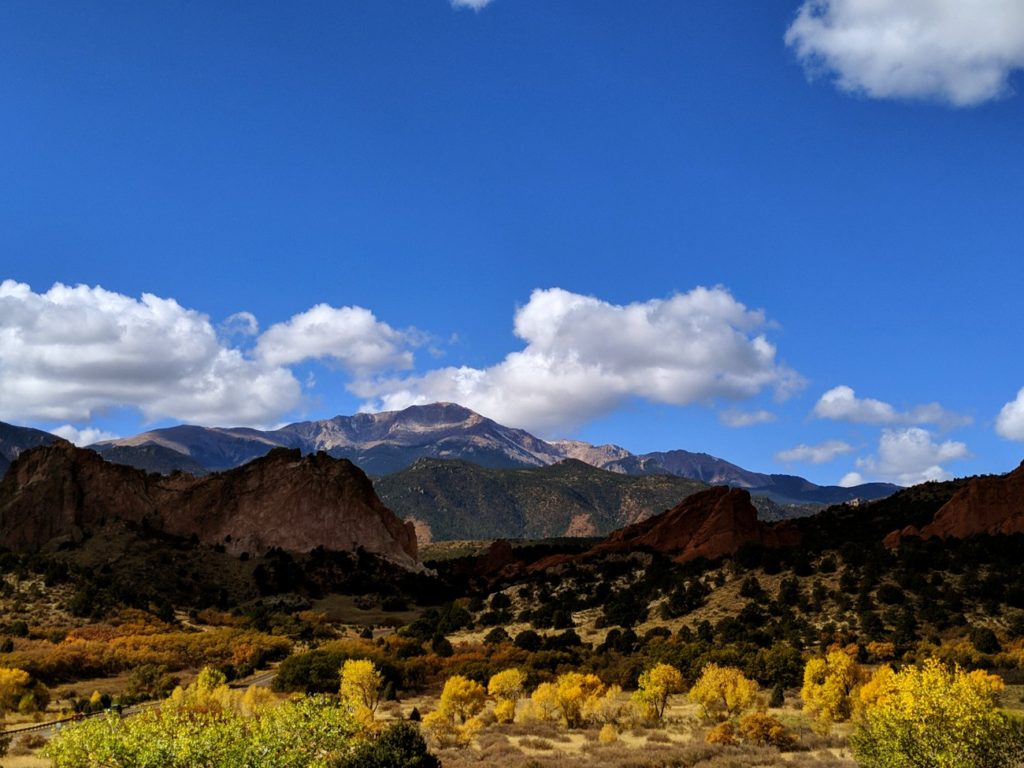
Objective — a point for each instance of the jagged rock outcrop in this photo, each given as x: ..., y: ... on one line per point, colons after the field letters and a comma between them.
x: 63, y: 491
x: 985, y: 505
x: 281, y: 500
x: 713, y: 523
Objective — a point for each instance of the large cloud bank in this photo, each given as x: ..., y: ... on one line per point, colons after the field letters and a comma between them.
x: 584, y: 357
x: 954, y: 51
x: 72, y: 352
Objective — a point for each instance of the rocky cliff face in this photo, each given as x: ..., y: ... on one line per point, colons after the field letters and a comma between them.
x: 282, y: 500
x: 60, y: 490
x: 985, y: 505
x: 713, y: 523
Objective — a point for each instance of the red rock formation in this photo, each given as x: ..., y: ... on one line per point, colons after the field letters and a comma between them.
x: 893, y: 538
x: 713, y: 523
x: 60, y: 490
x: 985, y: 505
x: 282, y: 500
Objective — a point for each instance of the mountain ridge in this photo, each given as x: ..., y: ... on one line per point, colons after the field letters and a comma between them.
x: 391, y: 441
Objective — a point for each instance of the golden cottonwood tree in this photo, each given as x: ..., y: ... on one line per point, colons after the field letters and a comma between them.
x: 543, y: 703
x: 723, y: 692
x: 19, y: 692
x: 828, y: 688
x: 507, y: 687
x: 655, y: 686
x: 932, y: 715
x: 360, y: 688
x: 576, y: 694
x: 455, y: 722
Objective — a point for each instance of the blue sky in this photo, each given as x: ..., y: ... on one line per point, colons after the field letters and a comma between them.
x: 785, y: 234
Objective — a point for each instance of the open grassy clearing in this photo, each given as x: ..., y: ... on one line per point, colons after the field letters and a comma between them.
x: 349, y: 610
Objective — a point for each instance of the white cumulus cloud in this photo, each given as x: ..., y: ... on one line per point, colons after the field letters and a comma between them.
x: 842, y: 404
x: 73, y: 351
x: 736, y: 418
x: 350, y: 336
x: 476, y: 5
x: 910, y: 456
x: 850, y: 479
x: 962, y: 52
x: 85, y: 436
x: 1010, y: 422
x: 584, y: 356
x: 821, y: 453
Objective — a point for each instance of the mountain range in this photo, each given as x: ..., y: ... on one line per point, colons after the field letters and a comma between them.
x: 388, y: 442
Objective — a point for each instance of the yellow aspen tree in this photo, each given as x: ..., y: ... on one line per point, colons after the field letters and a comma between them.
x: 934, y: 715
x: 360, y: 688
x: 576, y: 692
x: 19, y: 691
x: 874, y: 690
x: 828, y: 688
x: 543, y: 703
x: 507, y: 688
x: 655, y: 686
x: 455, y: 721
x: 723, y: 692
x: 255, y: 700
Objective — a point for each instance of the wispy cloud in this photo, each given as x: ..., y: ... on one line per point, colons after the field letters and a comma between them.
x: 476, y: 5
x: 240, y: 324
x: 736, y: 418
x: 962, y: 53
x: 842, y: 404
x: 821, y: 453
